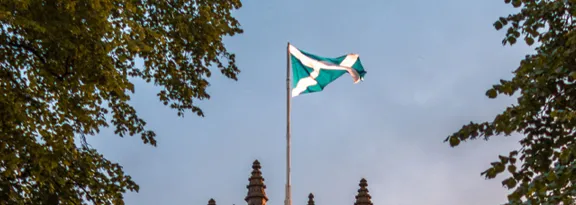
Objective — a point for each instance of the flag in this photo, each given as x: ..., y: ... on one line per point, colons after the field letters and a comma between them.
x: 312, y: 73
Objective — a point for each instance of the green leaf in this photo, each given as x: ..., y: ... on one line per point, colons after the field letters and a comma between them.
x: 573, y: 74
x: 491, y: 93
x: 509, y: 183
x: 529, y: 40
x: 512, y: 169
x: 551, y: 177
x: 454, y: 141
x: 516, y: 3
x: 511, y: 40
x: 503, y: 20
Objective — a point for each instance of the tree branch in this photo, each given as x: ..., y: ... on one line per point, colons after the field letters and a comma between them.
x: 30, y: 49
x: 39, y: 56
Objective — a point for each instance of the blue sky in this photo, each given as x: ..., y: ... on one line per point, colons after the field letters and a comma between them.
x: 429, y: 64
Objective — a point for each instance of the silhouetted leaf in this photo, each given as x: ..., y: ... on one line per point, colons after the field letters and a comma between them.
x: 498, y: 25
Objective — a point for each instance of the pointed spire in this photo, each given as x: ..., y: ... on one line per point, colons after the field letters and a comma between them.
x: 256, y: 187
x: 363, y: 197
x: 311, y: 199
x: 211, y: 202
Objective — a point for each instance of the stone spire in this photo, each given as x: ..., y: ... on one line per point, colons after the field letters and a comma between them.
x: 256, y: 187
x: 363, y: 197
x: 211, y: 202
x: 311, y: 199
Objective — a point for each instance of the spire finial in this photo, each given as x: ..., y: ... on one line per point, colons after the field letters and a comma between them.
x: 363, y: 197
x: 311, y: 199
x: 256, y: 165
x: 211, y: 202
x: 256, y: 187
x: 363, y: 183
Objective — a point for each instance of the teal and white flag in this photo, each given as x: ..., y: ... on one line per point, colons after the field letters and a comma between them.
x: 312, y: 73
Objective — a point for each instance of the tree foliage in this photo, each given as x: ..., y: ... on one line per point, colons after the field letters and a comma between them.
x: 543, y: 171
x: 66, y: 68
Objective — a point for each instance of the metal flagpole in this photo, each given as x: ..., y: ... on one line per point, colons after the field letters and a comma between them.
x: 288, y: 200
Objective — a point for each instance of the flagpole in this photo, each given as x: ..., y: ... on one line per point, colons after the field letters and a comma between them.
x: 288, y: 200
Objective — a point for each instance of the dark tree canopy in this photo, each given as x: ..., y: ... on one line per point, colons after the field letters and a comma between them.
x: 65, y: 73
x: 543, y: 171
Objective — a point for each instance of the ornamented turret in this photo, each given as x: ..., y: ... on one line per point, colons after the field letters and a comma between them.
x: 363, y: 197
x: 256, y: 187
x: 311, y: 199
x: 211, y: 202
